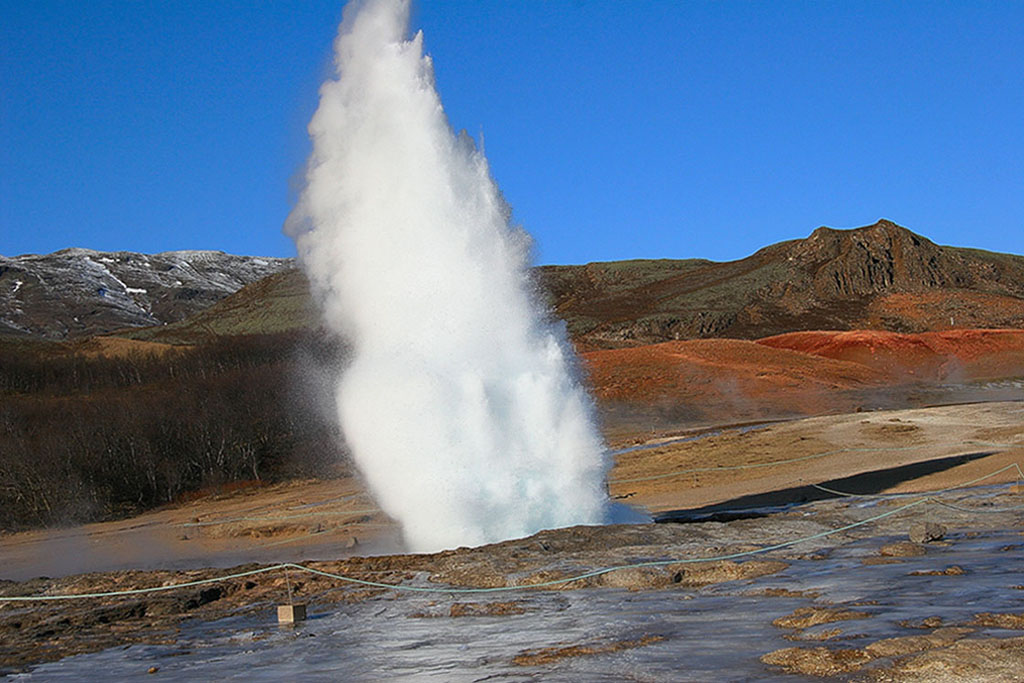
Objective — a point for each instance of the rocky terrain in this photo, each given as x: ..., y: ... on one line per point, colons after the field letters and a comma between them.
x: 804, y: 373
x: 74, y: 293
x: 885, y: 587
x: 880, y: 451
x: 702, y: 372
x: 882, y: 276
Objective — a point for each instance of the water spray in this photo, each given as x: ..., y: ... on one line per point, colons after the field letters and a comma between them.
x: 461, y: 403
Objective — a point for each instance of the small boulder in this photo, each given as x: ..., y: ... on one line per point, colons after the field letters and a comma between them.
x: 927, y: 532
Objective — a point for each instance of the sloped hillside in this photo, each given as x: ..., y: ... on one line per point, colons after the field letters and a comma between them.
x: 277, y: 303
x: 881, y: 276
x: 946, y: 356
x: 76, y: 293
x: 804, y: 373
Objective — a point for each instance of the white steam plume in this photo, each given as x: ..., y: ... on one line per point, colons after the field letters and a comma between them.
x: 460, y: 404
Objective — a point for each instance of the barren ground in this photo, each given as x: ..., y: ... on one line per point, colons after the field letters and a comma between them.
x: 337, y: 518
x: 804, y: 373
x: 748, y: 479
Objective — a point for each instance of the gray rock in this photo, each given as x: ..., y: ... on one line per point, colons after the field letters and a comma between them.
x: 927, y: 532
x: 76, y: 293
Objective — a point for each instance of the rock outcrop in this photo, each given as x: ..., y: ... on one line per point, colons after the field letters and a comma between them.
x: 881, y: 276
x: 80, y: 292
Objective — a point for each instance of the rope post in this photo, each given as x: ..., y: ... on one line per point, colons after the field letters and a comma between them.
x: 288, y: 615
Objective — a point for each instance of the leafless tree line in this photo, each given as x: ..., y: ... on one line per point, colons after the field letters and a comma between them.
x: 97, y: 438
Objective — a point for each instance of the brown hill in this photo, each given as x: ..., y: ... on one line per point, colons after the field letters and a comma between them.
x: 881, y: 277
x: 278, y: 303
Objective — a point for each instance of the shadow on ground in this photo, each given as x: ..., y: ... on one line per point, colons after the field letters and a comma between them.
x: 866, y: 483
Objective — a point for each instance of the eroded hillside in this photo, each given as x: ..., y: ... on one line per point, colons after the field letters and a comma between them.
x: 881, y: 277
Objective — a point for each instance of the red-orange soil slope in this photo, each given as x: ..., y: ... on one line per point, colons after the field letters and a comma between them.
x: 801, y: 373
x: 724, y: 375
x: 949, y: 355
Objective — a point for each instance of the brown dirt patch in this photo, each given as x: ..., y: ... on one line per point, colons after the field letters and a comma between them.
x: 720, y: 374
x: 903, y: 645
x: 705, y: 574
x: 823, y: 661
x: 487, y: 609
x: 549, y: 655
x: 805, y: 617
x: 902, y: 549
x: 999, y: 620
x: 969, y: 659
x: 690, y: 575
x: 817, y: 661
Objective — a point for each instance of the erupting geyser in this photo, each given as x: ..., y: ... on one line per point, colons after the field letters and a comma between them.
x: 461, y: 403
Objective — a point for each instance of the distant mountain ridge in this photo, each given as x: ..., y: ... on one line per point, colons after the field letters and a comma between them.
x: 81, y: 292
x: 881, y: 276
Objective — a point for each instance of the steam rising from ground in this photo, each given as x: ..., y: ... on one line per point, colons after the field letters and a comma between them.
x: 461, y: 404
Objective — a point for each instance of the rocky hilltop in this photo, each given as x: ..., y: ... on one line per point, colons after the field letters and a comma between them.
x: 881, y: 276
x: 80, y: 292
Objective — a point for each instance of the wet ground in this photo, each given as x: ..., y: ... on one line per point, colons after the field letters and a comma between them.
x: 702, y: 472
x: 853, y: 604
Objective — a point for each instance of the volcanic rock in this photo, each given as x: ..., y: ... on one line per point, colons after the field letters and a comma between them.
x: 80, y: 292
x: 927, y: 532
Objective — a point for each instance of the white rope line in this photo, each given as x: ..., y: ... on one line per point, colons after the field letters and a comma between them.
x: 459, y: 589
x: 140, y: 591
x: 1014, y: 508
x: 498, y: 589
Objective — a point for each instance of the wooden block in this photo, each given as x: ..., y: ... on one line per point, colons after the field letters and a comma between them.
x: 289, y: 614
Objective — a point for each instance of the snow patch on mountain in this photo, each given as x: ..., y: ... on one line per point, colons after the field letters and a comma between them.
x: 78, y: 292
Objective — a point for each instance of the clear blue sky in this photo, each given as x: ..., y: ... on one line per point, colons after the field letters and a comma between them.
x: 615, y: 129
